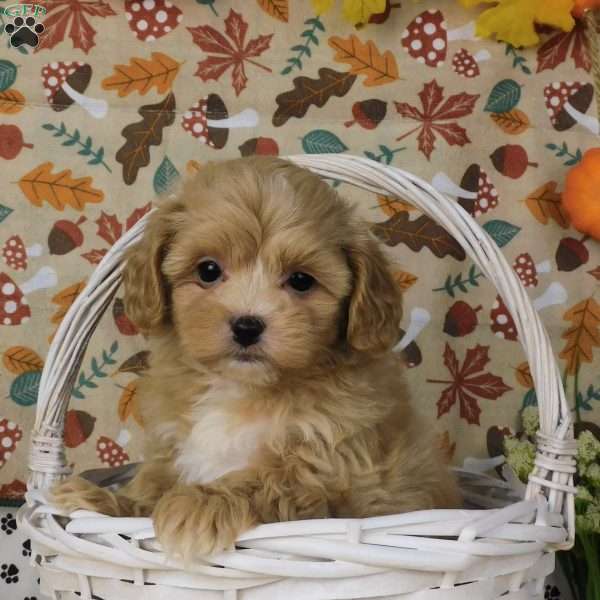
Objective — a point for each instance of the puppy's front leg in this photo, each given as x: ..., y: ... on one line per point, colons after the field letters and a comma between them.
x: 192, y: 521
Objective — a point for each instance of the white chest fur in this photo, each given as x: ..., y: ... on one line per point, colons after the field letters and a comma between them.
x: 218, y: 442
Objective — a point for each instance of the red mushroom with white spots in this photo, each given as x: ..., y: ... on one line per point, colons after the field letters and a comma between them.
x: 527, y: 271
x: 111, y: 452
x: 567, y: 102
x: 419, y: 318
x: 64, y: 84
x: 209, y: 121
x: 10, y: 436
x: 502, y: 323
x: 15, y: 253
x: 466, y: 64
x: 14, y: 307
x: 152, y: 19
x: 476, y: 193
x: 426, y: 37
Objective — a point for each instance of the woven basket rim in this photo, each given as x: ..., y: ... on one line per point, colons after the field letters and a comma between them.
x: 542, y: 522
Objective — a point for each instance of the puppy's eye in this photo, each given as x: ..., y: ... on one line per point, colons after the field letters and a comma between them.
x: 209, y: 272
x: 301, y: 282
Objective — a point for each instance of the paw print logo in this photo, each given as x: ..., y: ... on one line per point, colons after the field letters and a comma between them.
x: 24, y: 31
x: 9, y: 573
x: 8, y: 524
x: 26, y: 548
x: 551, y: 593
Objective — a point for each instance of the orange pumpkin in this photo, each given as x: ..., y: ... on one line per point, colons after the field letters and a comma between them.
x: 581, y: 196
x: 580, y: 6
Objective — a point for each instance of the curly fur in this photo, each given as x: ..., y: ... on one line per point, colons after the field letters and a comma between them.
x: 317, y: 423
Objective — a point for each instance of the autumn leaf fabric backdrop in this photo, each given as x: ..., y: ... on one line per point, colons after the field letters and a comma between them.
x: 120, y: 99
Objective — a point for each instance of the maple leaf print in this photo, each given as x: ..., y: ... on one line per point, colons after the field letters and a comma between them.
x: 72, y: 15
x: 224, y: 53
x: 468, y: 382
x: 437, y: 117
x: 556, y: 49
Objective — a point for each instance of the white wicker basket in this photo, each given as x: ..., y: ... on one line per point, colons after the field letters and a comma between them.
x: 426, y: 555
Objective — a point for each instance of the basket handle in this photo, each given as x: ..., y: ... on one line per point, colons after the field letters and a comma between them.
x: 553, y: 473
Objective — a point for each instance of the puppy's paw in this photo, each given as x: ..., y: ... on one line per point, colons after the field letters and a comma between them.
x: 192, y: 522
x: 77, y: 493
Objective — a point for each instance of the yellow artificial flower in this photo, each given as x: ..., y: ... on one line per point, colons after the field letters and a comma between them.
x: 354, y: 11
x: 322, y: 6
x: 359, y: 11
x: 513, y: 21
x: 471, y: 3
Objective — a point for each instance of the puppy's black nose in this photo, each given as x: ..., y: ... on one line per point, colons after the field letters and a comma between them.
x: 247, y: 330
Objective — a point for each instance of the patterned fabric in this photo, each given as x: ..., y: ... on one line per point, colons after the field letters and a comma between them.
x: 120, y: 99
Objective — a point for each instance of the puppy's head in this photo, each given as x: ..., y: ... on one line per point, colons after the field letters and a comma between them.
x: 258, y: 268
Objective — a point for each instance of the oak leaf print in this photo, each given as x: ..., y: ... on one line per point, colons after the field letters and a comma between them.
x: 135, y: 152
x: 58, y: 189
x: 583, y: 336
x: 72, y: 15
x: 365, y: 59
x: 309, y: 92
x: 469, y: 382
x: 417, y: 234
x: 141, y: 75
x: 438, y: 117
x: 225, y: 53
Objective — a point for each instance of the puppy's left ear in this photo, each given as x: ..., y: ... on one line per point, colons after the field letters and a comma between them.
x: 375, y: 306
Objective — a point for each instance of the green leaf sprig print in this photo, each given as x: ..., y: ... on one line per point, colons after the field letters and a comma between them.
x: 458, y: 282
x: 98, y: 372
x: 301, y: 50
x: 72, y: 139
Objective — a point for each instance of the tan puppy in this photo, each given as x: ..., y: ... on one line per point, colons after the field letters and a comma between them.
x: 272, y: 393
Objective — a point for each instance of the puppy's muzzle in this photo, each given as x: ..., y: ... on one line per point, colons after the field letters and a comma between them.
x: 247, y: 330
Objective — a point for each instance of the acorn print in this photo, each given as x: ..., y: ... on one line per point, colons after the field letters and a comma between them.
x: 461, y: 319
x: 511, y: 160
x: 571, y: 254
x: 262, y: 146
x: 79, y: 425
x: 368, y: 113
x: 65, y: 236
x: 11, y: 141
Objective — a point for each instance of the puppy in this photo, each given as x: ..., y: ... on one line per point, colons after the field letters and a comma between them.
x: 272, y: 393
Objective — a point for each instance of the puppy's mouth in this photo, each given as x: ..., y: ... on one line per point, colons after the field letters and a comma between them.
x: 249, y: 357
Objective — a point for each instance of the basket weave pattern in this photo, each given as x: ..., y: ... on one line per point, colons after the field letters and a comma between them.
x: 426, y: 555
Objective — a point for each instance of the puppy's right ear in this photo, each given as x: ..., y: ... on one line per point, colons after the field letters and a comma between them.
x: 145, y: 289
